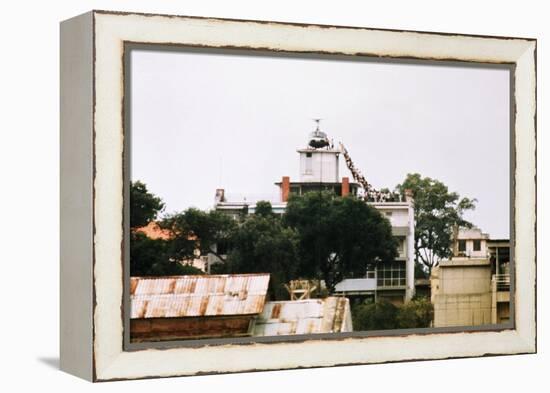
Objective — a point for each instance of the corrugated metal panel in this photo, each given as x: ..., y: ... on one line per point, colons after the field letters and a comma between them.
x: 311, y: 316
x: 193, y: 296
x: 356, y: 285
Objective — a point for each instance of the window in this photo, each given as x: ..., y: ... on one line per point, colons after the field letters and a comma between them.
x: 477, y: 245
x: 391, y: 274
x: 371, y: 271
x: 400, y: 246
x: 309, y: 164
x: 462, y: 245
x: 389, y: 214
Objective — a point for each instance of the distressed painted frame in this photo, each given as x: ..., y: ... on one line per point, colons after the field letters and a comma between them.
x: 92, y: 219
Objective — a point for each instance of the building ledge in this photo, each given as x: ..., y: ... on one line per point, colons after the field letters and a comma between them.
x: 403, y: 204
x: 396, y: 287
x: 461, y: 261
x: 321, y: 150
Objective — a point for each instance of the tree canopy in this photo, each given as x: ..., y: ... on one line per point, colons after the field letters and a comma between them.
x: 418, y: 313
x: 150, y: 257
x: 197, y: 233
x: 338, y: 236
x: 144, y: 206
x: 437, y: 212
x: 260, y: 244
x: 382, y: 315
x: 264, y: 208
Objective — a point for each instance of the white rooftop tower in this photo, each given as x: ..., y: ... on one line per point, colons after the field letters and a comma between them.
x: 319, y: 160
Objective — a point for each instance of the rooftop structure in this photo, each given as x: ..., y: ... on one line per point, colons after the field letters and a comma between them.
x: 470, y: 242
x: 182, y: 307
x: 311, y: 316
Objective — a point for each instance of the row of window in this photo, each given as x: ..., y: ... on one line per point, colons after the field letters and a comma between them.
x: 392, y: 274
x: 462, y: 245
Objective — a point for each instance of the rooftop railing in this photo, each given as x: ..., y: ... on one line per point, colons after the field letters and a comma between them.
x: 502, y: 282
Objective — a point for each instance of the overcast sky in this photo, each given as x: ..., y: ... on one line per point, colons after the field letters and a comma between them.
x: 206, y: 121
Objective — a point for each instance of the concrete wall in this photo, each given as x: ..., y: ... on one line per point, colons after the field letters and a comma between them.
x: 462, y: 310
x: 462, y: 293
x: 398, y: 215
x: 470, y: 252
x: 322, y: 166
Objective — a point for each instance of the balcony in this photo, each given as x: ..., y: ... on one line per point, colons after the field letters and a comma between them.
x: 501, y: 282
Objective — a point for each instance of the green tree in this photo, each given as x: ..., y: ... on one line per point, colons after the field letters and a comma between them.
x: 380, y: 315
x: 264, y: 208
x: 144, y: 253
x: 150, y: 257
x: 339, y: 237
x: 196, y: 232
x: 418, y: 313
x: 437, y: 213
x: 144, y: 206
x: 261, y: 244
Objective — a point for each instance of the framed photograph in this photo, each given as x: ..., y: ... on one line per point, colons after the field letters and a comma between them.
x: 243, y: 195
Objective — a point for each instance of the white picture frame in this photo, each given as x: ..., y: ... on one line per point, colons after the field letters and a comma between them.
x: 92, y: 196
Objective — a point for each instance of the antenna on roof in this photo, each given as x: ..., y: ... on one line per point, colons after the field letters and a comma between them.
x: 221, y: 172
x: 318, y: 122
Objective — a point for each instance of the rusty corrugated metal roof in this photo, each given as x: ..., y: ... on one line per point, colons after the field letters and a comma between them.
x: 201, y: 295
x: 311, y: 316
x: 153, y: 231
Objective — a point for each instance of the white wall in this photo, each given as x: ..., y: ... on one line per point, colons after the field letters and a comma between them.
x: 322, y: 167
x: 398, y: 216
x: 470, y: 252
x: 29, y: 159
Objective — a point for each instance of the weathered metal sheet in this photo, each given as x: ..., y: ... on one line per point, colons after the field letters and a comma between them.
x: 194, y: 296
x: 311, y: 316
x: 356, y: 285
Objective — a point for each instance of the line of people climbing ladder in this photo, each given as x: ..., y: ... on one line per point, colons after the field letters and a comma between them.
x: 369, y: 192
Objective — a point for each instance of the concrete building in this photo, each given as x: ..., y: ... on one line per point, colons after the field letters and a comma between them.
x: 319, y: 164
x: 466, y: 289
x: 392, y: 281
